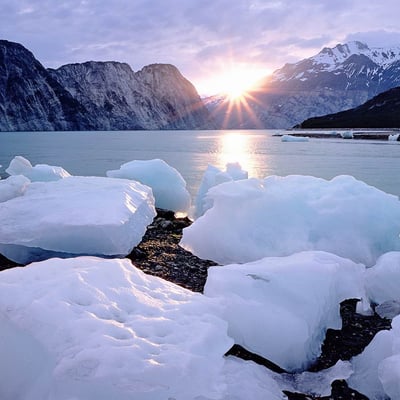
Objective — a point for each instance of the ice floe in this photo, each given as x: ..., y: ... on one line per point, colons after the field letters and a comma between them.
x: 278, y: 216
x: 72, y: 216
x: 281, y: 307
x: 169, y: 188
x: 90, y: 328
x: 38, y: 173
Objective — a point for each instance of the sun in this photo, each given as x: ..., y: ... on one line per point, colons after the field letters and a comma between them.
x: 237, y: 89
x: 239, y: 79
x: 233, y: 80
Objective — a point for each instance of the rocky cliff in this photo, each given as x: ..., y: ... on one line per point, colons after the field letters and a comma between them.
x: 30, y: 98
x: 94, y: 96
x: 334, y: 80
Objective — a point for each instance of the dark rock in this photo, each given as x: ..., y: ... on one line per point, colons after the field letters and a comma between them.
x: 239, y: 351
x: 382, y: 111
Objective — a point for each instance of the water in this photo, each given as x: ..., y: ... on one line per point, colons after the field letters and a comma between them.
x: 260, y: 153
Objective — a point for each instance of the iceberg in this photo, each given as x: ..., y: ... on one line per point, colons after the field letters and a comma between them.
x: 169, y: 188
x: 278, y: 216
x: 91, y: 328
x: 213, y: 176
x: 75, y: 216
x: 281, y: 307
x: 13, y: 186
x: 291, y: 138
x: 39, y: 173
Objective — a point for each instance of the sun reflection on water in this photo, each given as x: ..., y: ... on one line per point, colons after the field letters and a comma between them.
x: 237, y: 147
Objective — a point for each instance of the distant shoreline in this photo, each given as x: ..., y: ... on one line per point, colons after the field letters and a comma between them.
x: 355, y: 134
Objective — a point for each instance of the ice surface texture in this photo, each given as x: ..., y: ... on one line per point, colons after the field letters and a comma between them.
x: 281, y: 307
x: 75, y: 215
x: 278, y: 216
x: 213, y: 176
x: 90, y: 328
x: 169, y: 188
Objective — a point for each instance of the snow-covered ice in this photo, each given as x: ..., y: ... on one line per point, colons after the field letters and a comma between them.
x: 281, y: 307
x: 38, y: 173
x: 90, y: 328
x: 169, y: 188
x: 292, y: 138
x: 277, y: 216
x: 213, y: 176
x: 75, y: 215
x: 394, y: 137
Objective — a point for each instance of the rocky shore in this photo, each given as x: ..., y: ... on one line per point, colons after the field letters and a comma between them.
x: 159, y: 254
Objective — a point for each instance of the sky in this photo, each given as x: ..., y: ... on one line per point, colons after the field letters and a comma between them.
x: 214, y: 43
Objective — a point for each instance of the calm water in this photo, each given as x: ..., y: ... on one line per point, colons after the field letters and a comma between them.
x: 93, y: 153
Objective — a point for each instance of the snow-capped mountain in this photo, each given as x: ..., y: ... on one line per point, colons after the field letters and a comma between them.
x: 94, y: 96
x: 335, y: 79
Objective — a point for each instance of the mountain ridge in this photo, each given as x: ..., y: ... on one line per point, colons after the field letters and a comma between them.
x: 95, y: 95
x: 333, y: 80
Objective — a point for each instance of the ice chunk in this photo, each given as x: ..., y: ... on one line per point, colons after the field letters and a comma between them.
x: 347, y: 135
x: 382, y: 280
x: 389, y: 375
x: 315, y: 383
x: 13, y: 186
x: 277, y: 216
x: 39, y: 173
x: 244, y: 380
x: 388, y: 309
x: 394, y: 138
x: 75, y: 215
x: 169, y: 188
x: 281, y: 307
x: 212, y: 177
x: 368, y: 366
x: 291, y: 138
x: 101, y: 329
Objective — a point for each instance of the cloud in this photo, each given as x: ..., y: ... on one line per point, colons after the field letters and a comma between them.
x: 378, y: 38
x: 198, y: 36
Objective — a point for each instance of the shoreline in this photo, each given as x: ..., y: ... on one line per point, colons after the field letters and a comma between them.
x: 358, y: 134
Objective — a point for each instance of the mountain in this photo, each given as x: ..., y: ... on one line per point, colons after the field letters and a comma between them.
x: 334, y: 80
x: 94, y: 96
x: 157, y: 97
x: 382, y: 111
x: 30, y: 98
